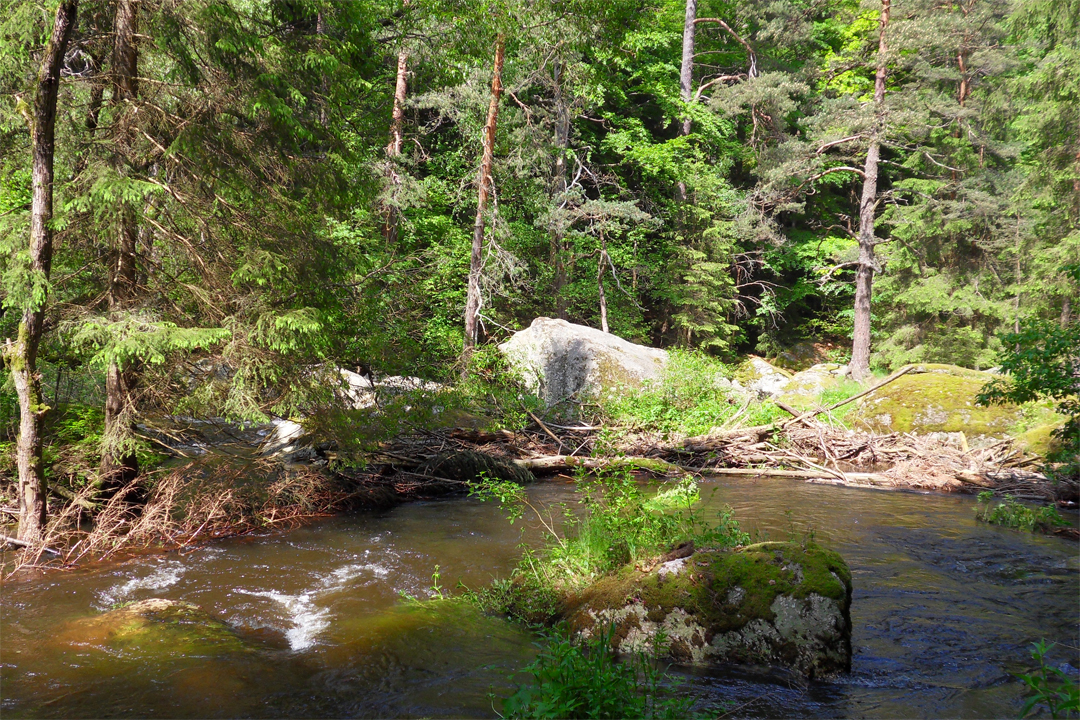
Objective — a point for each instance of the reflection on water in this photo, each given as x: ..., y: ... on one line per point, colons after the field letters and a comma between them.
x: 943, y: 612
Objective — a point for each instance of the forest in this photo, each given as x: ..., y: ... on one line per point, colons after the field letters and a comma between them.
x: 224, y: 209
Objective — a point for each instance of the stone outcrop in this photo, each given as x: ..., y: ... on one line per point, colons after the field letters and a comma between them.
x: 558, y: 360
x: 942, y: 399
x: 761, y: 378
x: 775, y: 604
x: 803, y: 391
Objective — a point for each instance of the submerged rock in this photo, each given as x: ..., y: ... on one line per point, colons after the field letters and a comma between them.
x: 558, y: 360
x: 776, y: 604
x: 155, y: 627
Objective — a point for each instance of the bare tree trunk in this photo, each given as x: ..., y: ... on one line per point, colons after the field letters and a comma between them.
x: 119, y: 464
x: 558, y: 225
x: 859, y: 368
x: 472, y: 305
x: 1019, y: 279
x: 21, y: 355
x: 600, y: 282
x: 393, y: 150
x: 686, y: 79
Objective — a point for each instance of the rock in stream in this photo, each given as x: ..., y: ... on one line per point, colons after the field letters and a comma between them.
x: 777, y: 604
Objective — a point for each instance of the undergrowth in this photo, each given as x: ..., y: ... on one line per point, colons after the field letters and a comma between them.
x: 691, y: 397
x: 585, y: 680
x: 1013, y: 514
x: 613, y: 523
x: 1050, y: 687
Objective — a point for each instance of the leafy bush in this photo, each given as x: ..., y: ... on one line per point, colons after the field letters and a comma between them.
x: 1042, y: 361
x: 689, y: 398
x: 1050, y: 687
x: 586, y: 681
x: 1016, y: 515
x: 614, y: 523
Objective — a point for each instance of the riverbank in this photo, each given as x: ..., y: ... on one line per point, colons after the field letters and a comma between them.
x: 695, y: 418
x: 195, y: 502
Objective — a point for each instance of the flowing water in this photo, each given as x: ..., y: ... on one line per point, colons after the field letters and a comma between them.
x: 943, y: 612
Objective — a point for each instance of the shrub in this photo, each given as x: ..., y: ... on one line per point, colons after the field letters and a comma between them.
x: 1050, y: 687
x: 586, y: 681
x: 689, y: 398
x: 1013, y: 514
x: 615, y: 523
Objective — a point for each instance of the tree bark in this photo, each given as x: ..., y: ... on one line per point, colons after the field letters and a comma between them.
x: 859, y: 368
x: 686, y: 79
x: 119, y: 464
x: 600, y: 286
x: 486, y: 183
x: 393, y: 149
x: 21, y: 355
x: 558, y: 226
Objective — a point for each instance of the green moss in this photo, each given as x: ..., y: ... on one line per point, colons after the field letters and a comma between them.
x: 941, y: 398
x: 726, y: 589
x: 1039, y: 440
x: 746, y: 373
x: 155, y: 628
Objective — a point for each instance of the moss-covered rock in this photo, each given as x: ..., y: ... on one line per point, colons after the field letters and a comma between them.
x: 779, y: 604
x: 155, y: 627
x: 806, y: 354
x: 804, y: 389
x: 762, y: 378
x: 941, y: 398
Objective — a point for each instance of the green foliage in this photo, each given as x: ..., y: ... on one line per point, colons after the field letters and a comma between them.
x: 691, y: 397
x: 1051, y: 687
x: 1043, y: 361
x: 1013, y: 514
x: 585, y: 680
x: 613, y: 523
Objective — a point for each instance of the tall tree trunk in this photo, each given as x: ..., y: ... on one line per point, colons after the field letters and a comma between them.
x: 558, y: 224
x: 859, y: 368
x: 486, y: 183
x: 393, y: 149
x: 600, y: 282
x: 21, y: 355
x: 119, y: 464
x: 686, y: 79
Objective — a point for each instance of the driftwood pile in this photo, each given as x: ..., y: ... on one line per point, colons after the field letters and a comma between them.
x: 802, y: 447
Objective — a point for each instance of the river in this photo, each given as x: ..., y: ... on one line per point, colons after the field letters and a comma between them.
x: 943, y: 612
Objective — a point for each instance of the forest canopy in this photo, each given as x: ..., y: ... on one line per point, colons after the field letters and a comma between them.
x: 238, y: 192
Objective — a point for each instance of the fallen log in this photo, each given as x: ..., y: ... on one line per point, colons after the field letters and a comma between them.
x: 72, y: 497
x: 554, y: 463
x: 862, y: 477
x: 22, y: 543
x: 807, y: 415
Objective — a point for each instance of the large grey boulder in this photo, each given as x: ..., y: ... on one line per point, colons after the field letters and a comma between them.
x: 775, y: 604
x: 559, y: 360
